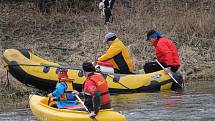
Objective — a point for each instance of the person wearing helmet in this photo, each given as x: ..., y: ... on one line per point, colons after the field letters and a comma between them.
x: 166, y: 53
x: 63, y: 91
x: 117, y: 54
x: 95, y: 90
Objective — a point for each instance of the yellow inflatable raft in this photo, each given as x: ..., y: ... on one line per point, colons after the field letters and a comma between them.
x: 43, y: 112
x: 33, y: 70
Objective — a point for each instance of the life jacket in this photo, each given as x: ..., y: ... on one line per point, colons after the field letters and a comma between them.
x: 62, y: 76
x: 102, y: 87
x: 67, y: 95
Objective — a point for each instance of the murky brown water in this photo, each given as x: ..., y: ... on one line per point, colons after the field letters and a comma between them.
x: 196, y: 102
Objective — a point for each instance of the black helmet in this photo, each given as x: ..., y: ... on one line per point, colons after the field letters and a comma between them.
x: 149, y: 34
x: 88, y: 67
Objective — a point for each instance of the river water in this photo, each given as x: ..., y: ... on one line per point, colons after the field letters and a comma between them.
x: 195, y: 103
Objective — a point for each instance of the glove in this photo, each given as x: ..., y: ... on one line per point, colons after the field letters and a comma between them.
x: 167, y: 70
x: 81, y: 73
x: 92, y: 114
x: 98, y: 69
x: 75, y: 92
x: 50, y: 95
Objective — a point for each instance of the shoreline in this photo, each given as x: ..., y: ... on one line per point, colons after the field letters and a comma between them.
x: 71, y: 36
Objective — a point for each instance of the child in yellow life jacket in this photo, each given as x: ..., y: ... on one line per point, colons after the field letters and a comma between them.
x: 63, y: 92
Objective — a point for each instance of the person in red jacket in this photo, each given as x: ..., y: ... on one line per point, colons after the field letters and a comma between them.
x: 95, y: 90
x: 166, y: 53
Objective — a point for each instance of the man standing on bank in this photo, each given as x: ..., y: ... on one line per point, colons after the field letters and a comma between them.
x: 117, y: 54
x: 166, y: 53
x: 106, y: 7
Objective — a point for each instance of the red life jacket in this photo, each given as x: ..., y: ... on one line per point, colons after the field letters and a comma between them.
x: 166, y: 52
x: 101, y: 86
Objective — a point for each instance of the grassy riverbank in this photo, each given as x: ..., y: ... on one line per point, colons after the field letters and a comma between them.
x: 75, y: 34
x: 15, y: 95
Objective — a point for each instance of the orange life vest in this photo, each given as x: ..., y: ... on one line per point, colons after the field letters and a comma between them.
x: 69, y: 89
x: 63, y: 76
x: 102, y: 87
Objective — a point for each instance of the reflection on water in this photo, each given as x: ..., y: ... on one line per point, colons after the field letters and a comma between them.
x: 174, y: 107
x: 17, y: 115
x: 196, y: 102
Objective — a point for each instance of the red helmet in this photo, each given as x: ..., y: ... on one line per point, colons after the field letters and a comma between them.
x: 62, y: 73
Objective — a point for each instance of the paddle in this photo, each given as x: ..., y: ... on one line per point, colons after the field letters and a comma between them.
x: 82, y: 103
x: 115, y: 79
x: 97, y: 46
x: 47, y: 65
x: 169, y: 73
x: 49, y: 101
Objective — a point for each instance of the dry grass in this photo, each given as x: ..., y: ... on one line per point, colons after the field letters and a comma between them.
x: 75, y: 35
x: 190, y: 24
x: 13, y: 95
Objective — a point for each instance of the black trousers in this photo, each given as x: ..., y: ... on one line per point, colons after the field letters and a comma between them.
x: 154, y: 66
x: 108, y: 14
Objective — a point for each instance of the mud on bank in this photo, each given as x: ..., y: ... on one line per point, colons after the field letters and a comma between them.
x: 71, y: 36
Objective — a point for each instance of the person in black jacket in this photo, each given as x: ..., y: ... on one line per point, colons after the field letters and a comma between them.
x: 106, y: 9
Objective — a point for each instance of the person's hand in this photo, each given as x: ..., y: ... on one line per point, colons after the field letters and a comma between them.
x: 50, y: 95
x: 92, y: 114
x: 98, y: 68
x: 167, y: 70
x: 75, y: 92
